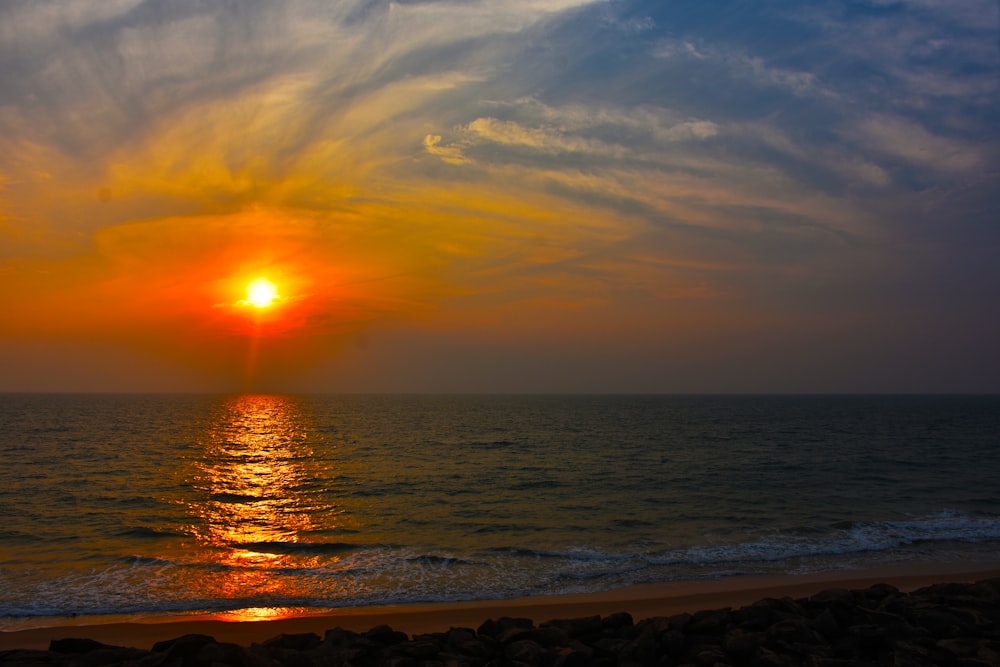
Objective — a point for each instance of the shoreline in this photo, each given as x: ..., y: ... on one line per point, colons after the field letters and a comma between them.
x: 641, y: 601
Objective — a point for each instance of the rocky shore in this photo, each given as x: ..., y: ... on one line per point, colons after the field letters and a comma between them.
x: 944, y: 624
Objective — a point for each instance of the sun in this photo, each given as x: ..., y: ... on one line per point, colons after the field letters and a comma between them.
x: 261, y: 293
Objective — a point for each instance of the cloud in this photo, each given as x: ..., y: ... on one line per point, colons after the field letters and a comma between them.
x: 590, y: 132
x: 450, y: 154
x: 904, y: 140
x: 741, y: 65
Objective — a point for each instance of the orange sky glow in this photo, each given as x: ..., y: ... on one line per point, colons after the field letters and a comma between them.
x: 561, y: 195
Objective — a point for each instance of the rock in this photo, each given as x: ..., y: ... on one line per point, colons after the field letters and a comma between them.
x: 420, y: 649
x: 547, y: 637
x: 709, y: 656
x: 826, y: 624
x: 476, y: 648
x: 569, y: 657
x: 868, y: 637
x: 741, y: 645
x: 524, y: 651
x: 709, y: 622
x: 643, y: 649
x: 962, y: 647
x: 339, y: 637
x: 76, y: 646
x: 459, y: 636
x: 939, y: 622
x: 879, y: 594
x: 608, y: 647
x: 26, y: 658
x: 385, y: 635
x: 222, y: 654
x: 297, y: 642
x: 765, y: 657
x: 673, y: 642
x: 910, y: 655
x: 577, y: 627
x: 182, y: 647
x: 615, y: 621
x: 792, y: 631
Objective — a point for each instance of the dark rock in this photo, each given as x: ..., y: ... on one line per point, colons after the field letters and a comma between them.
x: 385, y: 635
x: 339, y: 637
x: 644, y: 649
x: 765, y: 657
x: 905, y: 654
x: 497, y: 628
x: 826, y: 623
x: 608, y: 647
x: 547, y: 636
x: 615, y: 621
x: 577, y: 627
x: 286, y: 657
x: 962, y: 647
x: 459, y: 636
x: 868, y: 637
x: 296, y: 642
x: 754, y: 618
x: 792, y: 631
x: 740, y: 644
x: 879, y: 593
x: 513, y: 634
x: 182, y: 647
x: 782, y: 608
x: 569, y: 657
x: 831, y: 596
x: 711, y: 621
x: 421, y: 649
x: 524, y: 651
x: 673, y: 642
x: 27, y: 658
x: 506, y: 622
x: 75, y: 646
x: 709, y: 656
x: 221, y: 654
x: 817, y: 661
x: 939, y: 622
x: 476, y: 648
x: 402, y: 661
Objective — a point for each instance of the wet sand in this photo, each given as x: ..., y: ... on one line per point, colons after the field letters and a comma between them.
x: 645, y: 601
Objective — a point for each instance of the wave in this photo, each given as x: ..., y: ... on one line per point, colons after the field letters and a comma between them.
x: 292, y: 548
x: 840, y: 539
x: 148, y: 533
x: 235, y: 498
x: 136, y: 559
x: 442, y: 561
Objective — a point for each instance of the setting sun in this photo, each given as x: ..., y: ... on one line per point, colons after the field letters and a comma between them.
x: 261, y: 293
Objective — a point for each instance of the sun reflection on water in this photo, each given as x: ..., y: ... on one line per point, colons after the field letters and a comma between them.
x: 258, y: 499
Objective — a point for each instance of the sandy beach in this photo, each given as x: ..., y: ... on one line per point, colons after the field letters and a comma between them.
x: 645, y: 601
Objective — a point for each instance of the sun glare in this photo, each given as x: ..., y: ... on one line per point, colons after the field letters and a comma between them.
x: 261, y: 293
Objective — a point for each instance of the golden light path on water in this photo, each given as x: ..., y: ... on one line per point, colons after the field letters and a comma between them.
x: 255, y: 470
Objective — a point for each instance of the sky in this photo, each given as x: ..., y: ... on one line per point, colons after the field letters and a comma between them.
x: 500, y: 196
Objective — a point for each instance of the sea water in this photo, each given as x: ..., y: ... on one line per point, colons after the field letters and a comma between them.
x: 151, y: 504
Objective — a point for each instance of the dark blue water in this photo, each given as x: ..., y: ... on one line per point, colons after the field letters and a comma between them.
x: 132, y: 504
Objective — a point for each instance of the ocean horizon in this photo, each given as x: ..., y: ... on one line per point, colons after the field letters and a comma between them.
x: 133, y: 504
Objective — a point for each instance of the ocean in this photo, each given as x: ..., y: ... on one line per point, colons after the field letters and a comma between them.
x: 263, y: 505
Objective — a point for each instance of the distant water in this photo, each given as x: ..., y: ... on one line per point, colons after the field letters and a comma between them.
x: 136, y: 504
